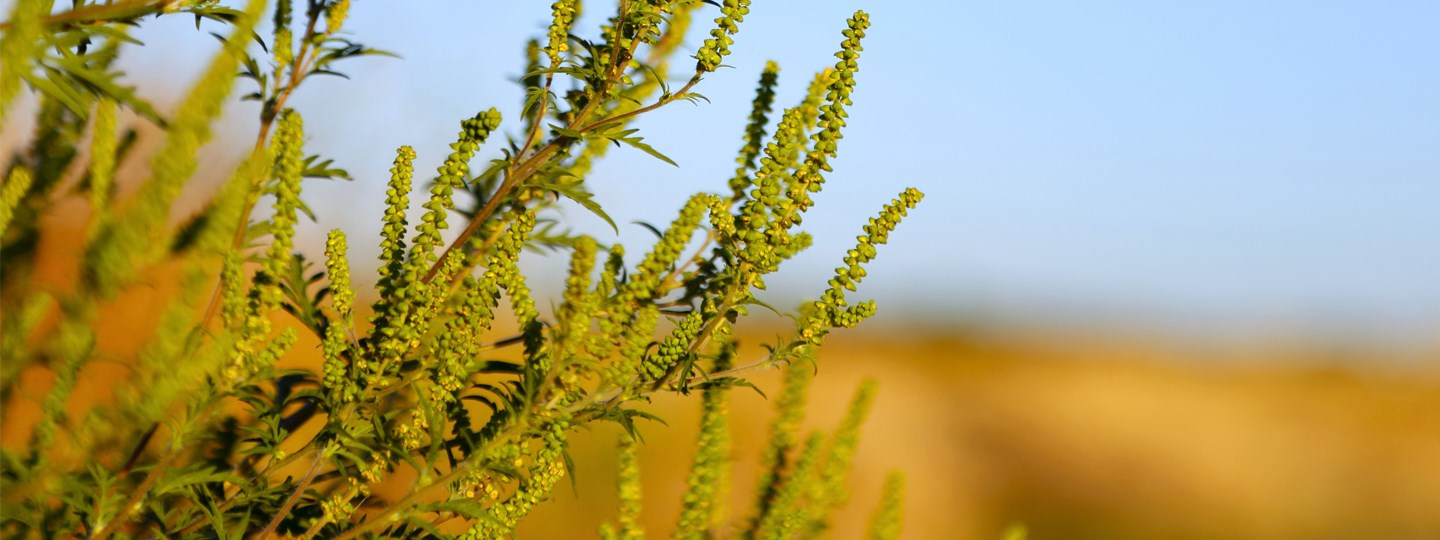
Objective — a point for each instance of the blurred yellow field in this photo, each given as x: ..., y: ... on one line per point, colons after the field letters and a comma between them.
x: 1088, y: 438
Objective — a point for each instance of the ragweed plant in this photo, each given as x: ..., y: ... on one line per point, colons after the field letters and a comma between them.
x: 208, y: 436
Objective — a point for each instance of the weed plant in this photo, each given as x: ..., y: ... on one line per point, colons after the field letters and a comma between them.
x: 206, y: 437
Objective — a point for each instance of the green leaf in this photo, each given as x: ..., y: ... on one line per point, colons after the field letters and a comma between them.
x: 176, y: 482
x: 582, y: 198
x: 636, y: 142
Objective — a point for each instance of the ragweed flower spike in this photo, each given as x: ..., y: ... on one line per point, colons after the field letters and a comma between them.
x: 575, y: 312
x: 102, y: 160
x: 787, y: 512
x: 784, y: 428
x: 283, y: 46
x: 340, y: 385
x: 829, y: 492
x: 630, y: 492
x: 119, y: 251
x: 18, y: 46
x: 831, y: 310
x: 335, y: 15
x: 755, y: 130
x: 563, y: 13
x: 717, y: 47
x: 451, y: 175
x: 10, y: 196
x: 392, y: 233
x: 702, y: 501
x: 830, y: 123
x: 888, y: 519
x: 289, y: 166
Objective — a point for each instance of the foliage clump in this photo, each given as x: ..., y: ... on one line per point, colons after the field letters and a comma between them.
x: 212, y: 435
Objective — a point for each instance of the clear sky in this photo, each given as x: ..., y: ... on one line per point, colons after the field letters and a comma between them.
x: 1224, y: 165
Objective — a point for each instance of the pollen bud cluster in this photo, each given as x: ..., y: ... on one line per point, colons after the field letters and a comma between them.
x: 727, y: 24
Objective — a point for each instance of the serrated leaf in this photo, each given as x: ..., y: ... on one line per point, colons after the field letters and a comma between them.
x: 636, y: 142
x: 582, y: 198
x: 173, y: 482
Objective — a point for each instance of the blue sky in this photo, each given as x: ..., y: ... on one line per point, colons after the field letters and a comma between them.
x: 1226, y: 166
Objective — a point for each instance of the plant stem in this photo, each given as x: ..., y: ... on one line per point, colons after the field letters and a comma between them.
x: 290, y: 502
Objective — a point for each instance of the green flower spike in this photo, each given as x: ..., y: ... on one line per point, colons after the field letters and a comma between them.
x: 102, y: 161
x: 14, y: 191
x: 717, y: 47
x: 392, y: 244
x: 702, y: 501
x: 831, y: 310
x: 563, y: 13
x: 335, y: 15
x: 789, y: 413
x: 119, y: 251
x: 829, y: 493
x: 630, y: 492
x: 17, y: 47
x: 450, y: 175
x: 889, y: 517
x: 755, y: 130
x: 574, y: 315
x: 831, y: 121
x: 336, y: 344
x: 648, y: 282
x: 289, y: 166
x: 674, y: 350
x: 283, y: 45
x: 788, y: 512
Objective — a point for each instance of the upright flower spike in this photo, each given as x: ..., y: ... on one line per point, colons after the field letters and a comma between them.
x: 573, y: 317
x: 789, y: 413
x: 15, y: 189
x: 716, y: 48
x: 787, y: 512
x: 335, y: 15
x: 631, y: 495
x: 831, y: 310
x: 17, y: 47
x: 119, y: 251
x: 647, y: 283
x: 102, y: 160
x: 283, y: 45
x: 829, y: 494
x: 759, y: 237
x: 392, y: 233
x: 604, y: 342
x: 563, y: 14
x: 887, y: 521
x: 337, y: 266
x: 831, y: 121
x: 815, y: 97
x: 755, y: 130
x: 232, y: 290
x: 450, y: 175
x: 675, y: 350
x: 459, y: 343
x: 289, y: 167
x: 335, y: 347
x: 505, y: 269
x: 634, y: 340
x: 701, y: 504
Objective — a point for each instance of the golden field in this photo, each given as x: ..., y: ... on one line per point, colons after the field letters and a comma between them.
x: 1084, y: 437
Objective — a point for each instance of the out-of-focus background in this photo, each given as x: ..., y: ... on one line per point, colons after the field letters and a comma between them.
x: 1177, y: 274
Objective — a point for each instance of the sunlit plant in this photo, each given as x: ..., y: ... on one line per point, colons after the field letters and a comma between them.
x: 206, y: 437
